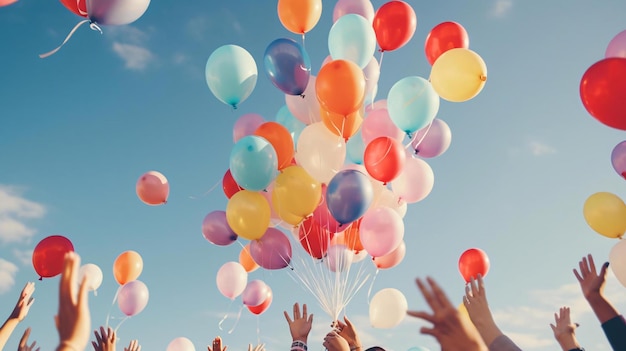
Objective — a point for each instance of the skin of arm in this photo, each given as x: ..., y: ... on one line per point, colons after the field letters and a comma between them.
x: 564, y: 330
x: 19, y: 313
x: 592, y: 286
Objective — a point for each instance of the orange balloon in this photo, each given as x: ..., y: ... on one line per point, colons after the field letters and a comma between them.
x: 351, y: 237
x: 340, y: 87
x: 127, y: 267
x: 246, y: 260
x: 281, y: 140
x: 345, y: 126
x: 299, y: 16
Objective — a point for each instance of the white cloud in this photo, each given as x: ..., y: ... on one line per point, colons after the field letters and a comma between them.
x: 501, y: 8
x: 14, y: 211
x: 7, y: 275
x: 24, y: 256
x: 198, y: 27
x: 136, y: 58
x: 128, y: 34
x: 538, y: 148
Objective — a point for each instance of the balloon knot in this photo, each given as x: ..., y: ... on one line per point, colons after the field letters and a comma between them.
x: 409, y: 134
x: 483, y: 78
x: 302, y: 96
x: 624, y: 174
x: 94, y: 26
x: 40, y: 278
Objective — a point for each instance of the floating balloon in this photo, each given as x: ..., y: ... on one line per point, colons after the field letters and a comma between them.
x: 259, y: 309
x: 287, y: 65
x: 231, y: 279
x: 394, y: 24
x: 231, y: 74
x: 387, y: 308
x: 296, y: 194
x: 381, y: 231
x: 617, y: 46
x: 458, y: 75
x: 339, y: 258
x: 152, y: 188
x: 352, y: 38
x: 272, y: 251
x: 415, y: 181
x: 93, y: 275
x: 359, y: 7
x: 305, y: 108
x: 229, y: 185
x: 432, y: 140
x: 320, y: 152
x: 606, y: 214
x: 133, y: 298
x: 216, y: 230
x: 372, y: 75
x: 351, y: 237
x: 246, y: 260
x: 116, y: 12
x: 127, y: 267
x: 299, y: 16
x: 617, y: 260
x: 443, y: 37
x: 255, y: 293
x: 343, y: 126
x: 78, y: 7
x: 248, y: 214
x: 340, y: 87
x: 603, y: 91
x: 180, y: 344
x: 391, y: 259
x: 314, y: 237
x: 349, y: 196
x: 618, y: 159
x: 355, y: 147
x: 412, y: 103
x: 384, y: 159
x: 322, y: 213
x: 378, y: 124
x: 253, y: 163
x: 280, y: 139
x: 246, y: 125
x: 472, y: 263
x: 49, y: 255
x: 289, y: 121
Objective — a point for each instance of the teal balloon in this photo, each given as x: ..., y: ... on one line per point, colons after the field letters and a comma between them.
x: 231, y: 74
x: 412, y: 103
x: 253, y: 163
x: 355, y: 148
x: 418, y: 348
x: 289, y: 121
x: 352, y: 38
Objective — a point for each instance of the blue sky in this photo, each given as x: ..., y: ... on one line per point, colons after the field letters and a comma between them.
x: 78, y: 128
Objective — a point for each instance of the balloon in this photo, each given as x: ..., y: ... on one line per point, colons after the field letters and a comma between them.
x: 339, y: 258
x: 289, y: 121
x: 606, y: 214
x: 412, y: 103
x: 387, y: 308
x: 415, y: 181
x: 394, y: 24
x: 381, y: 231
x: 253, y: 163
x: 340, y: 87
x: 246, y: 260
x: 133, y: 297
x: 352, y: 38
x: 93, y: 274
x: 443, y: 37
x: 617, y: 46
x: 472, y: 263
x: 229, y: 185
x: 231, y: 279
x: 371, y: 73
x: 352, y: 238
x: 152, y: 188
x: 49, y: 255
x: 344, y: 126
x: 432, y: 140
x: 378, y: 124
x: 246, y: 125
x: 305, y: 108
x: 618, y: 159
x: 458, y: 75
x: 180, y: 344
x: 377, y: 186
x: 320, y: 152
x: 299, y: 16
x: 391, y: 259
x: 314, y: 237
x: 349, y: 195
x: 355, y: 147
x: 216, y: 230
x: 322, y: 213
x: 78, y: 7
x: 127, y: 267
x: 231, y: 74
x: 264, y: 305
x: 280, y: 139
x: 287, y: 65
x: 255, y: 293
x: 296, y: 194
x: 617, y: 260
x: 272, y: 251
x: 248, y: 214
x: 389, y: 199
x: 116, y: 12
x: 358, y: 7
x: 384, y: 159
x: 603, y: 91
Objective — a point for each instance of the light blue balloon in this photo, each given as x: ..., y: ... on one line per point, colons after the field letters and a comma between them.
x: 352, y: 38
x: 355, y: 148
x: 253, y: 163
x: 412, y: 103
x: 289, y: 121
x: 231, y: 74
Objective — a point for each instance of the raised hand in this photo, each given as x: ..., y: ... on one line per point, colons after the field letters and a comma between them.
x: 24, y: 302
x: 105, y: 340
x: 73, y: 320
x: 591, y: 283
x: 133, y: 346
x: 564, y: 330
x: 300, y: 325
x: 334, y: 342
x: 347, y: 331
x: 23, y: 345
x: 217, y: 345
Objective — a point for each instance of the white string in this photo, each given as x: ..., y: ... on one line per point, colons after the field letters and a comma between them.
x: 92, y: 25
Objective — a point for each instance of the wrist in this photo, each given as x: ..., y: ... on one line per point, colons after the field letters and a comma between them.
x: 66, y: 346
x: 299, y: 345
x: 356, y: 347
x: 569, y: 343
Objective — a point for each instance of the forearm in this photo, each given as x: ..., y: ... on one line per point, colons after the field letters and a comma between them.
x: 487, y: 329
x: 6, y: 330
x: 602, y: 308
x: 568, y: 343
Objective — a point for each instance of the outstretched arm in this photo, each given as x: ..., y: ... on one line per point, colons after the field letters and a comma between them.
x: 23, y: 345
x: 73, y: 320
x: 564, y: 330
x: 19, y: 313
x: 299, y: 327
x: 592, y: 286
x: 347, y: 331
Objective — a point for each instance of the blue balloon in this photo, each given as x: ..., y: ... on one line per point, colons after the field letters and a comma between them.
x: 231, y: 74
x: 287, y: 65
x: 348, y: 196
x: 355, y: 148
x: 412, y: 103
x: 352, y: 38
x: 289, y: 121
x: 253, y: 163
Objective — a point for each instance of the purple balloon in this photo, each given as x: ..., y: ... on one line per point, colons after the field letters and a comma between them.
x: 216, y: 230
x: 433, y: 141
x: 246, y: 125
x: 359, y: 7
x: 618, y: 159
x: 133, y: 297
x: 288, y: 66
x: 617, y: 46
x: 272, y: 251
x: 348, y: 196
x: 255, y: 293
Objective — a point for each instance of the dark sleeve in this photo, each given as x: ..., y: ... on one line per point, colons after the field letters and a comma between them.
x: 503, y: 343
x: 615, y: 331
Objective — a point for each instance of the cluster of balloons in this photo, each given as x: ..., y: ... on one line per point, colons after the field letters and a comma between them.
x: 133, y: 294
x: 152, y: 188
x: 232, y: 281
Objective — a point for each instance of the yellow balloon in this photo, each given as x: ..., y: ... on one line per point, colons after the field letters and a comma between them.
x: 606, y: 214
x: 296, y: 194
x: 458, y: 75
x: 248, y: 214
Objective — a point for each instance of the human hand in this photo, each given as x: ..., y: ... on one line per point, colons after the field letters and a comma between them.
x: 23, y: 302
x: 105, y: 341
x: 133, y: 346
x: 300, y: 326
x: 334, y: 342
x: 449, y: 328
x: 347, y: 331
x: 591, y: 283
x: 259, y: 347
x: 23, y: 345
x: 475, y: 301
x: 73, y: 320
x: 217, y: 345
x: 564, y: 329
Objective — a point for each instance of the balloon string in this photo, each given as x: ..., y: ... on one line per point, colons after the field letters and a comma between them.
x: 207, y: 192
x: 225, y: 315
x: 120, y: 324
x: 236, y: 321
x: 92, y: 25
x: 112, y: 303
x: 369, y: 291
x: 303, y: 46
x: 258, y: 330
x: 421, y: 139
x: 380, y: 61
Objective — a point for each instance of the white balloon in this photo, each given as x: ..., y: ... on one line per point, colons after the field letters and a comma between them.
x: 320, y: 152
x: 181, y: 344
x: 388, y: 308
x: 116, y: 12
x: 617, y: 259
x: 93, y: 274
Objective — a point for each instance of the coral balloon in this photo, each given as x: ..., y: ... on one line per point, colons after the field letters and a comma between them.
x: 606, y: 214
x: 152, y: 188
x: 246, y: 260
x: 272, y: 251
x: 133, y: 298
x: 472, y: 263
x: 259, y: 309
x: 394, y: 24
x: 127, y: 267
x: 443, y: 37
x: 248, y: 214
x: 246, y: 125
x: 78, y: 7
x: 352, y: 237
x: 384, y: 159
x: 603, y: 91
x: 340, y: 87
x: 48, y: 255
x: 343, y: 126
x: 229, y: 185
x: 391, y: 259
x: 281, y: 140
x: 216, y: 230
x: 618, y: 159
x: 314, y: 238
x: 231, y: 279
x: 458, y: 75
x: 299, y: 16
x: 296, y: 194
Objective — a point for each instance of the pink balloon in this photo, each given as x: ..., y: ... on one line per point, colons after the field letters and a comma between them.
x: 323, y: 216
x: 231, y: 279
x: 255, y: 293
x: 152, y: 188
x: 617, y: 46
x: 432, y: 141
x: 391, y: 259
x: 246, y: 125
x: 358, y: 7
x: 415, y: 182
x: 381, y: 231
x: 216, y: 230
x: 272, y: 251
x: 307, y: 108
x: 379, y: 104
x: 378, y: 124
x: 133, y: 297
x: 618, y: 159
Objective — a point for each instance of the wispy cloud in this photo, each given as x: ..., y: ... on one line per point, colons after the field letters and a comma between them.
x: 136, y: 58
x: 501, y: 8
x: 128, y: 34
x: 15, y: 211
x: 7, y: 275
x: 24, y: 256
x: 539, y: 148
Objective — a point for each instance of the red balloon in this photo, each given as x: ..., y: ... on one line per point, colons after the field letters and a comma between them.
x: 264, y: 305
x: 78, y: 7
x: 394, y: 25
x: 384, y: 158
x: 323, y: 216
x: 314, y: 238
x: 603, y: 91
x: 443, y: 37
x: 229, y: 185
x: 49, y: 254
x: 472, y: 263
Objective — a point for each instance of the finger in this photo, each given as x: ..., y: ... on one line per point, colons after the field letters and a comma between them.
x: 481, y: 283
x: 340, y: 324
x: 578, y: 277
x: 98, y: 338
x: 468, y: 292
x: 32, y: 346
x: 112, y: 335
x: 605, y: 266
x: 65, y: 274
x: 440, y: 295
x: 429, y: 331
x: 592, y: 265
x: 553, y: 327
x: 225, y: 347
x: 348, y: 323
x: 422, y: 315
x: 24, y: 339
x: 104, y: 333
x: 287, y: 317
x: 73, y: 273
x: 466, y: 301
x: 310, y: 320
x: 95, y: 346
x: 428, y: 296
x: 304, y: 311
x: 82, y: 293
x: 474, y: 286
x: 584, y: 267
x: 296, y: 311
